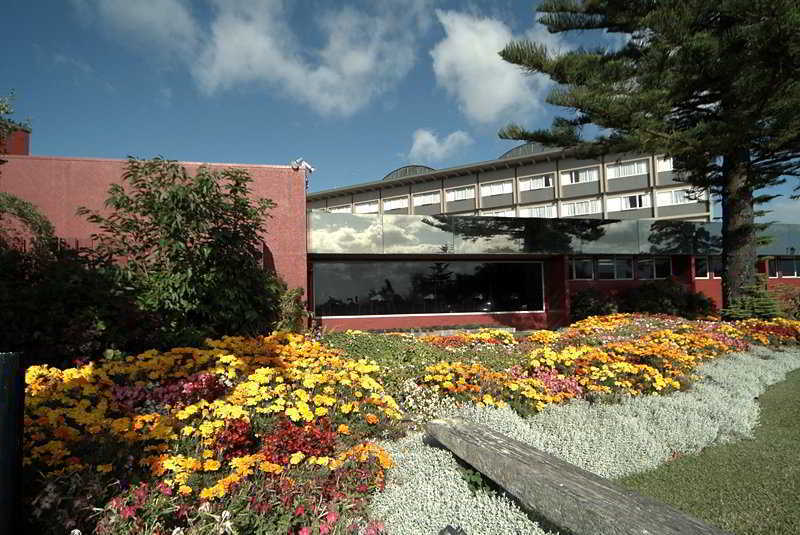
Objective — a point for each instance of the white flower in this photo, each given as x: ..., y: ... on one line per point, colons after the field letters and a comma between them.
x: 177, y: 531
x: 75, y: 532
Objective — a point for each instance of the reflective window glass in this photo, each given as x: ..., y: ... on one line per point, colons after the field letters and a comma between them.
x: 422, y: 287
x: 701, y: 267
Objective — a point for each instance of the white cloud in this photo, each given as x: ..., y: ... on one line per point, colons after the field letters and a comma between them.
x: 466, y: 63
x: 427, y: 147
x: 363, y: 53
x: 73, y: 63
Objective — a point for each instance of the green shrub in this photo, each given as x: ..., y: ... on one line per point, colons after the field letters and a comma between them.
x: 292, y: 313
x: 590, y: 302
x: 788, y: 298
x: 756, y: 301
x: 666, y: 297
x: 192, y: 248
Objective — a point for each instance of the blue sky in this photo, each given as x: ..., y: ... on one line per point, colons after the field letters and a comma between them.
x: 357, y: 88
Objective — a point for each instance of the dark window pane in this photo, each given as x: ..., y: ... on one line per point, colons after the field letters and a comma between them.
x: 369, y: 288
x: 663, y: 268
x: 772, y: 267
x: 605, y: 268
x: 644, y: 268
x: 701, y: 267
x: 787, y: 267
x: 624, y: 268
x: 716, y: 266
x: 582, y: 268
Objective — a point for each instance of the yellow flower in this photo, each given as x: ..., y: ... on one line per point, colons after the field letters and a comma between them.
x: 296, y: 457
x: 211, y: 465
x: 271, y: 468
x: 343, y: 429
x: 320, y: 411
x: 293, y: 413
x: 207, y: 454
x: 104, y: 468
x: 184, y: 490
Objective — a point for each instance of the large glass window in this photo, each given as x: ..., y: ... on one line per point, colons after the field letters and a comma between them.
x: 542, y: 210
x: 423, y: 199
x: 496, y: 188
x: 397, y: 203
x: 370, y: 207
x: 787, y: 265
x: 629, y: 202
x: 421, y: 287
x: 535, y: 182
x: 654, y: 268
x: 460, y: 194
x: 701, y: 267
x: 581, y: 269
x: 614, y: 268
x: 578, y: 176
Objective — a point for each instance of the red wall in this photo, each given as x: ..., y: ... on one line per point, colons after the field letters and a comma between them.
x: 17, y: 142
x: 58, y: 186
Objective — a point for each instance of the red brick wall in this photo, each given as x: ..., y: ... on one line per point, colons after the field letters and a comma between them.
x: 17, y: 142
x: 58, y: 186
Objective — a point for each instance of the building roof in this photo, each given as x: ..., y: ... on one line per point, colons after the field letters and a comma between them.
x: 523, y: 156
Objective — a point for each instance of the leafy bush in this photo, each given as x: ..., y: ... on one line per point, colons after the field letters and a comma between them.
x: 666, y: 297
x: 755, y: 301
x: 788, y: 298
x: 591, y: 302
x: 192, y: 248
x: 292, y: 313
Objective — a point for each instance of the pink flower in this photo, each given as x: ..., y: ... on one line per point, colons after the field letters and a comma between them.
x: 332, y: 517
x: 324, y: 529
x: 304, y: 531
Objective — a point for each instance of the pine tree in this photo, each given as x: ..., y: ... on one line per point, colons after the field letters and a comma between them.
x: 714, y: 85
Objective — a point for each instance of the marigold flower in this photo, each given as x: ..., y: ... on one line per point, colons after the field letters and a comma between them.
x: 343, y: 429
x: 184, y: 490
x: 297, y: 457
x: 371, y: 418
x: 104, y: 468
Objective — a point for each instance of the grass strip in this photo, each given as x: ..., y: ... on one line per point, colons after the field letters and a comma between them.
x: 750, y: 487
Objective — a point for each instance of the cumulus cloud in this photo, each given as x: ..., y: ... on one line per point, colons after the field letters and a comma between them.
x: 467, y: 65
x: 427, y: 147
x: 363, y: 53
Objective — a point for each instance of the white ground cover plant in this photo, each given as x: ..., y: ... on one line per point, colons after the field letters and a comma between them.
x: 425, y: 491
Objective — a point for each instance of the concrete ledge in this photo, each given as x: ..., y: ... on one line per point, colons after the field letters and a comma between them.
x: 566, y: 496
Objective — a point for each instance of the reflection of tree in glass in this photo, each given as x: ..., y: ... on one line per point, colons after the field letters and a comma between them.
x: 433, y: 287
x: 683, y: 237
x: 532, y: 234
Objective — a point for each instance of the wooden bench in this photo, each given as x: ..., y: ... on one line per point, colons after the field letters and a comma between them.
x: 568, y: 497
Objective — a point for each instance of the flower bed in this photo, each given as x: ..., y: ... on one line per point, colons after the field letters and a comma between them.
x: 277, y: 434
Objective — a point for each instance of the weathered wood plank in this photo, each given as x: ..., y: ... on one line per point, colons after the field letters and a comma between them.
x: 564, y: 494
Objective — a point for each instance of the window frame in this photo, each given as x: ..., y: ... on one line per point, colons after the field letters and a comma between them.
x: 454, y: 189
x: 794, y: 261
x: 615, y: 262
x: 660, y: 169
x: 376, y: 201
x: 564, y: 204
x: 772, y: 262
x: 574, y: 259
x: 509, y: 181
x: 639, y: 196
x: 619, y: 163
x: 709, y: 272
x: 490, y: 212
x: 331, y: 209
x: 652, y: 261
x: 531, y: 178
x: 551, y: 206
x: 571, y: 174
x: 701, y: 197
x: 395, y: 198
x: 417, y: 194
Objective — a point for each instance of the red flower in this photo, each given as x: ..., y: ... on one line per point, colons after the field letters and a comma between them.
x: 299, y: 511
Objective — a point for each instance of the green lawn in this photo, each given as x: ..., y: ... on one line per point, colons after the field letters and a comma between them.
x: 749, y: 487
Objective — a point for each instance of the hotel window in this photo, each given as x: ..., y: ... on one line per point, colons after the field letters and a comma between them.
x: 370, y: 207
x: 460, y: 194
x: 423, y: 199
x: 708, y: 267
x: 629, y: 202
x: 679, y: 196
x: 496, y: 188
x: 788, y: 266
x: 653, y: 268
x: 504, y: 212
x: 620, y: 170
x: 398, y: 203
x: 581, y: 269
x: 701, y: 267
x: 589, y: 206
x: 346, y: 209
x: 579, y: 176
x: 535, y: 182
x: 663, y: 164
x: 614, y: 268
x: 544, y: 210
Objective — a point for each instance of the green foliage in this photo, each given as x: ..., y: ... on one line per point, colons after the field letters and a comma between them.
x: 666, y: 297
x: 711, y: 84
x: 788, y: 298
x: 755, y: 301
x: 590, y: 302
x: 191, y: 247
x: 292, y: 313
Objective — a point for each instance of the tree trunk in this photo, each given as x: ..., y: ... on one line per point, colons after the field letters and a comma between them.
x: 738, y: 228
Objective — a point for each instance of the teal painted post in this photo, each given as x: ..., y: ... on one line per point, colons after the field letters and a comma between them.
x: 12, y: 399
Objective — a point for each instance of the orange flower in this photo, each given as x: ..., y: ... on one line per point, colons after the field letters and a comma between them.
x: 371, y: 418
x: 343, y: 429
